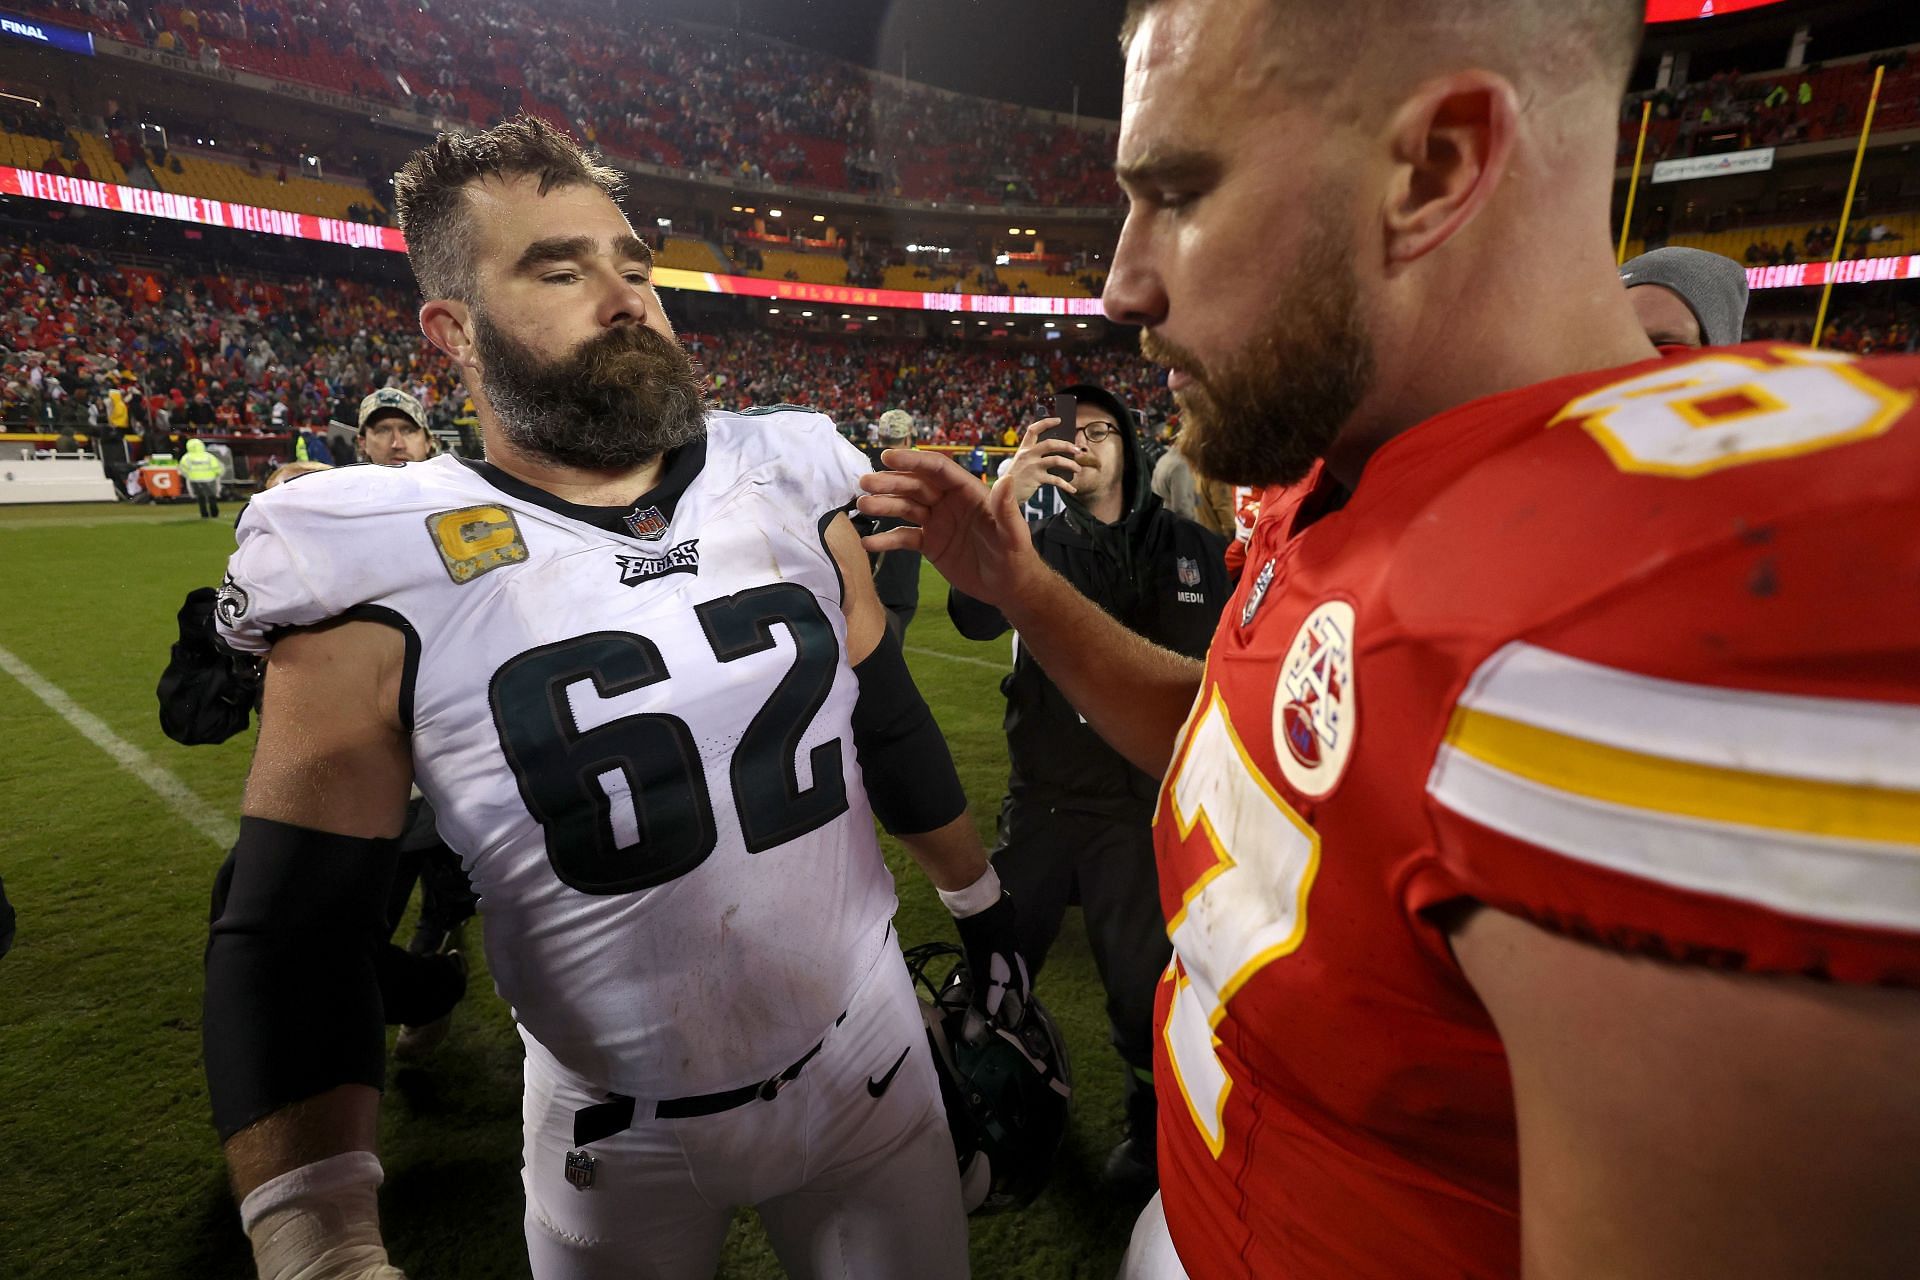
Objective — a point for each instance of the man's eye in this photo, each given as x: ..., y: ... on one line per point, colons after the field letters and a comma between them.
x: 560, y: 277
x: 639, y: 279
x: 1174, y: 201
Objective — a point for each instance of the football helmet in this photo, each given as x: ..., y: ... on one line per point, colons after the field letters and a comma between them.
x: 1006, y: 1091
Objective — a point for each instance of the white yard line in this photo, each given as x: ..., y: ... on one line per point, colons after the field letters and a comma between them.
x: 1001, y: 667
x: 197, y: 813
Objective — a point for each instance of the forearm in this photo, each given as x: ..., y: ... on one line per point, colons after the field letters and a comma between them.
x: 951, y: 856
x: 1133, y: 693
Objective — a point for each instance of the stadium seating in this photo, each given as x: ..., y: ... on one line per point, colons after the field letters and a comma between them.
x: 684, y: 253
x: 809, y: 268
x: 224, y: 180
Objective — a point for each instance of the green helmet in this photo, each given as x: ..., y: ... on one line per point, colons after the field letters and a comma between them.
x: 1006, y: 1092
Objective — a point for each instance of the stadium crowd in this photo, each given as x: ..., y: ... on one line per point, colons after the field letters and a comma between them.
x: 233, y: 352
x: 728, y: 105
x: 1732, y: 112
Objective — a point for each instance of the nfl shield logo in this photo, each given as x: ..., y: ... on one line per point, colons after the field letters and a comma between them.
x: 1189, y: 572
x: 580, y: 1169
x: 647, y: 524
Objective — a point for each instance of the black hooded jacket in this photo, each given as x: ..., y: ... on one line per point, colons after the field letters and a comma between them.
x: 1161, y: 575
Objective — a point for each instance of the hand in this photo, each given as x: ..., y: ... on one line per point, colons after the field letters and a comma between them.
x: 1037, y: 462
x: 975, y: 536
x: 1001, y: 985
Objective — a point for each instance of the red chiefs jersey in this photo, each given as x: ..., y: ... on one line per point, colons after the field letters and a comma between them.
x: 1634, y: 655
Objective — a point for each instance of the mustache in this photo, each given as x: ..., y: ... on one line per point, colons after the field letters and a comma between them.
x: 1171, y: 355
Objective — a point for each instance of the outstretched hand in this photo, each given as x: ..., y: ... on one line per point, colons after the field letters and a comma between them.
x: 975, y: 536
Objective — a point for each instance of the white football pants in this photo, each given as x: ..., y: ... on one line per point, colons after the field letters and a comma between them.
x: 850, y: 1186
x: 1150, y: 1254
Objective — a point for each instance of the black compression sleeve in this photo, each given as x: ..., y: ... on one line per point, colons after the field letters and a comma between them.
x: 911, y: 782
x: 292, y: 1004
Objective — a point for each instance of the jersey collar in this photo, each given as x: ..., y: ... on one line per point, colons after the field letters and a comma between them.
x: 682, y: 465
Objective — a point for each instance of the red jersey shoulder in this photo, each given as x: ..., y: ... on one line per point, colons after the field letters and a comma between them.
x: 1599, y: 482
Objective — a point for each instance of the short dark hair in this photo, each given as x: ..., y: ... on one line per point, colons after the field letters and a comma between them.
x: 429, y: 192
x: 1547, y: 35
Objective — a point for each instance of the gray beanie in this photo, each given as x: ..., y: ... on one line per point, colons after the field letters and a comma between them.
x: 1714, y: 288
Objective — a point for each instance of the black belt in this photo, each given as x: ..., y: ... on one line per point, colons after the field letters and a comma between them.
x: 615, y: 1115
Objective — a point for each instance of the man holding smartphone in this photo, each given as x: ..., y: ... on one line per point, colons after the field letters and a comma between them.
x: 1076, y: 823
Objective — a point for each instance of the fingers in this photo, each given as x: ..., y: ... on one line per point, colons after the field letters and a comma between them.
x: 905, y: 538
x: 894, y: 508
x: 935, y: 467
x: 1034, y: 430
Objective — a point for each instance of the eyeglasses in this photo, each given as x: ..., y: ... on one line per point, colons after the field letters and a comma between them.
x: 1097, y: 432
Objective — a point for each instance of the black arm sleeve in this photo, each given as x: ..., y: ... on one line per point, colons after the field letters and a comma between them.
x: 292, y: 1005
x: 974, y: 619
x: 911, y: 782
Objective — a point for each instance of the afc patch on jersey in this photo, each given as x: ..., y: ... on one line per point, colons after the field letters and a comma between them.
x: 1314, y: 709
x: 476, y: 540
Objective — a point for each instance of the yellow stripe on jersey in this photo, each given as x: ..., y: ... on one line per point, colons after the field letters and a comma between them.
x: 1635, y: 780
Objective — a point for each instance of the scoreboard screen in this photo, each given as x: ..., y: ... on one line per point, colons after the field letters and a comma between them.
x: 1686, y: 10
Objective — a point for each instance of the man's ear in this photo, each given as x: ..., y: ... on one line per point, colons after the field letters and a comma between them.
x: 1451, y: 142
x: 448, y: 325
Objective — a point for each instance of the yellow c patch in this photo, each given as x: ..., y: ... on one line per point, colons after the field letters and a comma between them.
x: 474, y: 540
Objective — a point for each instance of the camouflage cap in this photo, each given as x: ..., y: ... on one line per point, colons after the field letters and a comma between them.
x: 395, y: 400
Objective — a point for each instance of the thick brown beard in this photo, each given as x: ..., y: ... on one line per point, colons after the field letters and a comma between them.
x: 1266, y: 413
x: 619, y: 400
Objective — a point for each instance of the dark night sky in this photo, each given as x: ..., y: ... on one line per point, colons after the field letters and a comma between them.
x: 1029, y: 51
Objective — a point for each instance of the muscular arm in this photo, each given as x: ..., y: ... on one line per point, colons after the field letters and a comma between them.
x: 1134, y: 693
x: 951, y: 855
x: 332, y: 756
x: 1678, y: 1121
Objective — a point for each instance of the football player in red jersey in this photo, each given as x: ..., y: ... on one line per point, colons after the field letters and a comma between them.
x: 1540, y: 840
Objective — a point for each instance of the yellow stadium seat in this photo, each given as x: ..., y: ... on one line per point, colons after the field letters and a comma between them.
x: 810, y: 268
x: 682, y: 253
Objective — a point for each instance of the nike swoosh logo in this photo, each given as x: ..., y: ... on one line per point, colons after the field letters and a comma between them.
x: 878, y: 1087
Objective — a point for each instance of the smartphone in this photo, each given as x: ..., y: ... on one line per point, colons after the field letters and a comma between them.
x: 1067, y: 409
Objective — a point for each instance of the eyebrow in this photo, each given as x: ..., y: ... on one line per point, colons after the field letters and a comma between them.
x: 1169, y: 168
x: 568, y: 248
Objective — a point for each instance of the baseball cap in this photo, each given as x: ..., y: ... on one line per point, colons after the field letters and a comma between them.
x: 396, y: 400
x: 1713, y: 287
x: 896, y: 424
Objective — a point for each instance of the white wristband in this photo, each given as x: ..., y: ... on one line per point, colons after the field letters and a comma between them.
x: 319, y: 1180
x: 975, y: 898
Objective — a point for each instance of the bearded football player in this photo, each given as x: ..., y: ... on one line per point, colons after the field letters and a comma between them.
x: 1540, y: 839
x: 636, y: 662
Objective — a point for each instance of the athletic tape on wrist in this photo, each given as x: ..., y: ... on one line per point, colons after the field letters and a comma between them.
x: 975, y: 898
x: 347, y: 1171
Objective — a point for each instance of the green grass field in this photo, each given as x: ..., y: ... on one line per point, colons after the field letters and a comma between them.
x: 108, y: 1160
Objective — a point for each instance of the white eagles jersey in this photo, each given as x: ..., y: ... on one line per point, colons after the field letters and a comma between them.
x: 635, y: 729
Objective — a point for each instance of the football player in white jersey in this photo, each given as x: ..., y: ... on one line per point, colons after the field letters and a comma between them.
x: 636, y: 662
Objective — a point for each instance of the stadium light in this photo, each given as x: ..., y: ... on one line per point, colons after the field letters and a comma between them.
x: 979, y: 321
x: 1081, y: 325
x: 1032, y: 232
x: 1013, y: 231
x: 845, y: 316
x: 873, y: 317
x: 819, y: 217
x: 806, y: 315
x: 773, y: 213
x: 953, y: 322
x: 773, y: 311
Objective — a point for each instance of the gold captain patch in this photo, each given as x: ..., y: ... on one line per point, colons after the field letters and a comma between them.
x: 475, y: 540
